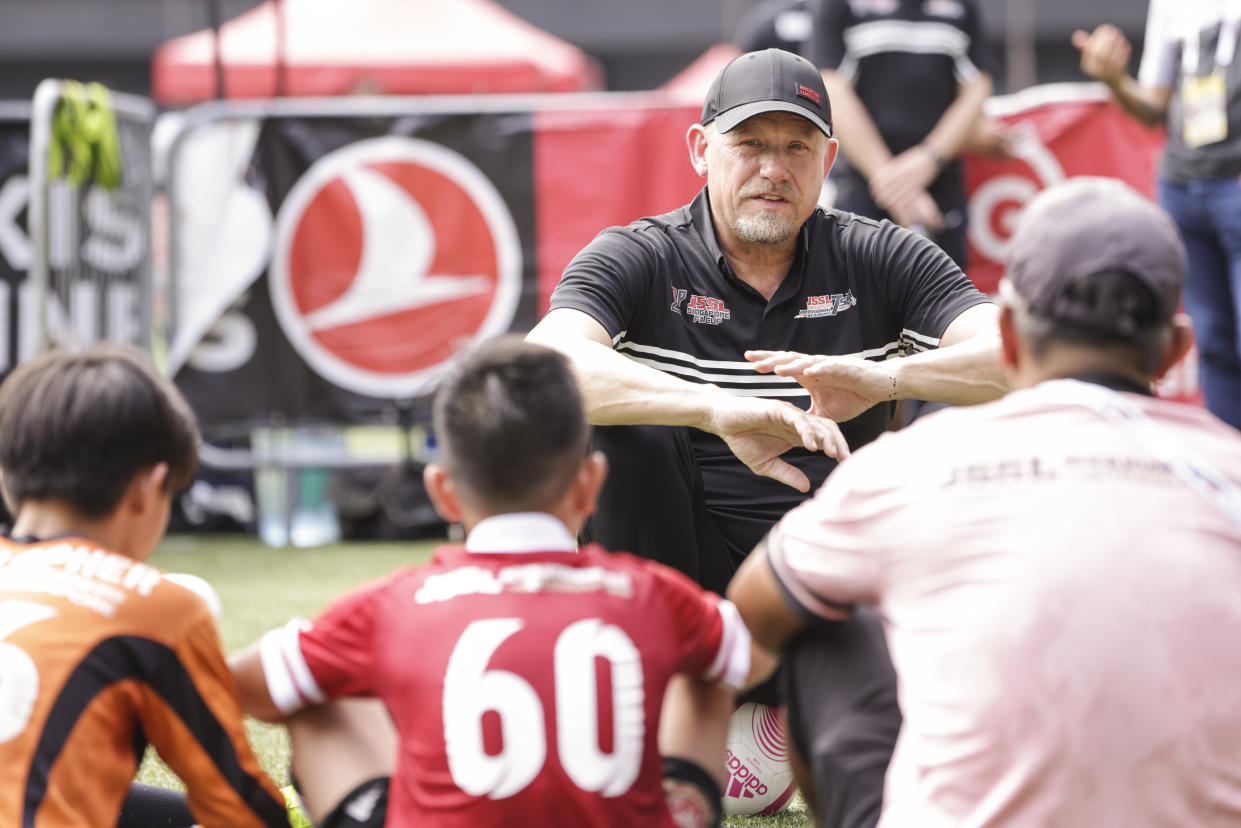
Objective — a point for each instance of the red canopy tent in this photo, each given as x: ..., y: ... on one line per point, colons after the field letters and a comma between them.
x: 694, y: 80
x: 403, y: 47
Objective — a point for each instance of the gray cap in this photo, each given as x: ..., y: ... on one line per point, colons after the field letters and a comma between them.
x: 772, y: 80
x: 1088, y: 225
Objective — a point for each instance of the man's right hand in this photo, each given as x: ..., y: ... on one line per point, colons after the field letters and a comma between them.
x: 759, y: 430
x: 1105, y: 53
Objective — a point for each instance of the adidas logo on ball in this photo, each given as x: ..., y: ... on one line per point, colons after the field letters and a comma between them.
x: 760, y: 778
x: 741, y: 780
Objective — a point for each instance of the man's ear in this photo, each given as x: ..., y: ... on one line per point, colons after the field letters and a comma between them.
x: 829, y: 160
x: 147, y: 487
x: 589, y: 482
x: 442, y: 491
x: 1179, y: 343
x: 696, y: 140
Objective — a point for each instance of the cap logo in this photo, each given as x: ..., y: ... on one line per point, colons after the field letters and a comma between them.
x: 804, y: 91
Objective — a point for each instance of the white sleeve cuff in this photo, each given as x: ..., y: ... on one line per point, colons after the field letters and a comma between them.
x: 731, y: 666
x: 289, y: 682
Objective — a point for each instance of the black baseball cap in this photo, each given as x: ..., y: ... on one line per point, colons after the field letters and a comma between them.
x: 1086, y: 226
x: 772, y: 80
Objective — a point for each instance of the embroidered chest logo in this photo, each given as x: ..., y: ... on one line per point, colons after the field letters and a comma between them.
x: 827, y: 305
x: 678, y: 296
x: 707, y: 310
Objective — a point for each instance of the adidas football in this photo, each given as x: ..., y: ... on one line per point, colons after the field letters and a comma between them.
x: 760, y: 778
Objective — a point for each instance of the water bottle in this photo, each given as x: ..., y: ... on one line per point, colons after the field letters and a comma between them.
x: 271, y: 486
x: 291, y: 485
x: 315, y: 521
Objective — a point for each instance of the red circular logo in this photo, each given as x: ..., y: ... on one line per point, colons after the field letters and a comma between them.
x: 392, y: 256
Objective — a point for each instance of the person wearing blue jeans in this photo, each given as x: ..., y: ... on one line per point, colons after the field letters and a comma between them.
x: 1188, y: 79
x: 1208, y: 213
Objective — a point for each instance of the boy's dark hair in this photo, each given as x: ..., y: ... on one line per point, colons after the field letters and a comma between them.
x: 76, y: 426
x: 511, y: 425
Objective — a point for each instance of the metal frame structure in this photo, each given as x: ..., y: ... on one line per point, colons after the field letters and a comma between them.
x: 15, y: 110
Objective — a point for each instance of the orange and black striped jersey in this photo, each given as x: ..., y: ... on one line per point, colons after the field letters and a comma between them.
x: 99, y: 656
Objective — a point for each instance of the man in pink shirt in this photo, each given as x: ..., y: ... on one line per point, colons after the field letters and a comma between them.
x: 1057, y: 572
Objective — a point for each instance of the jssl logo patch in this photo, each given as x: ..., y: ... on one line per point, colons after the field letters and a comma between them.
x: 707, y: 310
x: 826, y: 305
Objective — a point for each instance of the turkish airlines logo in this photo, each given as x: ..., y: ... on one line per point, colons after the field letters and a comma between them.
x: 392, y: 256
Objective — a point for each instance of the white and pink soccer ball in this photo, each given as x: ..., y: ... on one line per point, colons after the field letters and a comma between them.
x: 760, y: 778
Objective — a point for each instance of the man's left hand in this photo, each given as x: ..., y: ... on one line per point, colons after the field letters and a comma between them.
x: 841, y: 387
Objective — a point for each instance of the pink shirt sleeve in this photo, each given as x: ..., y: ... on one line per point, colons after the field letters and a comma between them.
x: 829, y: 553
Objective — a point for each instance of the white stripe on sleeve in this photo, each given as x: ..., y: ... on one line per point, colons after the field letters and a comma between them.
x: 732, y: 663
x: 920, y: 338
x: 289, y: 682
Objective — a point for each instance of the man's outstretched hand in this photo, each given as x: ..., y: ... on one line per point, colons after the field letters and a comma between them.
x: 759, y: 430
x: 1105, y: 53
x: 841, y: 387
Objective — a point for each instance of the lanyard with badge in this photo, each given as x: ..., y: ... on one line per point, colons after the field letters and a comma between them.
x: 1205, y: 97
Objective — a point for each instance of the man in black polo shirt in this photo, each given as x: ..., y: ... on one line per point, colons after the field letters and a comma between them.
x: 658, y: 318
x: 666, y: 320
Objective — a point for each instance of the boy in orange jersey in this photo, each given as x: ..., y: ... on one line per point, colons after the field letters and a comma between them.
x: 101, y: 653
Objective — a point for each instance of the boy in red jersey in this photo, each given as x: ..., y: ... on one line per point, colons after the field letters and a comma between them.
x: 525, y: 677
x: 99, y: 652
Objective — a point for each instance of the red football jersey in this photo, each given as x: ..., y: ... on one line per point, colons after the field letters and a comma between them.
x: 525, y: 683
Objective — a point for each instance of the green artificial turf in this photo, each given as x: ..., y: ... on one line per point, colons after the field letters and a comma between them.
x: 262, y: 588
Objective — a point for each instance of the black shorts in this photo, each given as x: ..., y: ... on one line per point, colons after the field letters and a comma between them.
x: 366, y: 806
x: 653, y: 505
x: 844, y: 718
